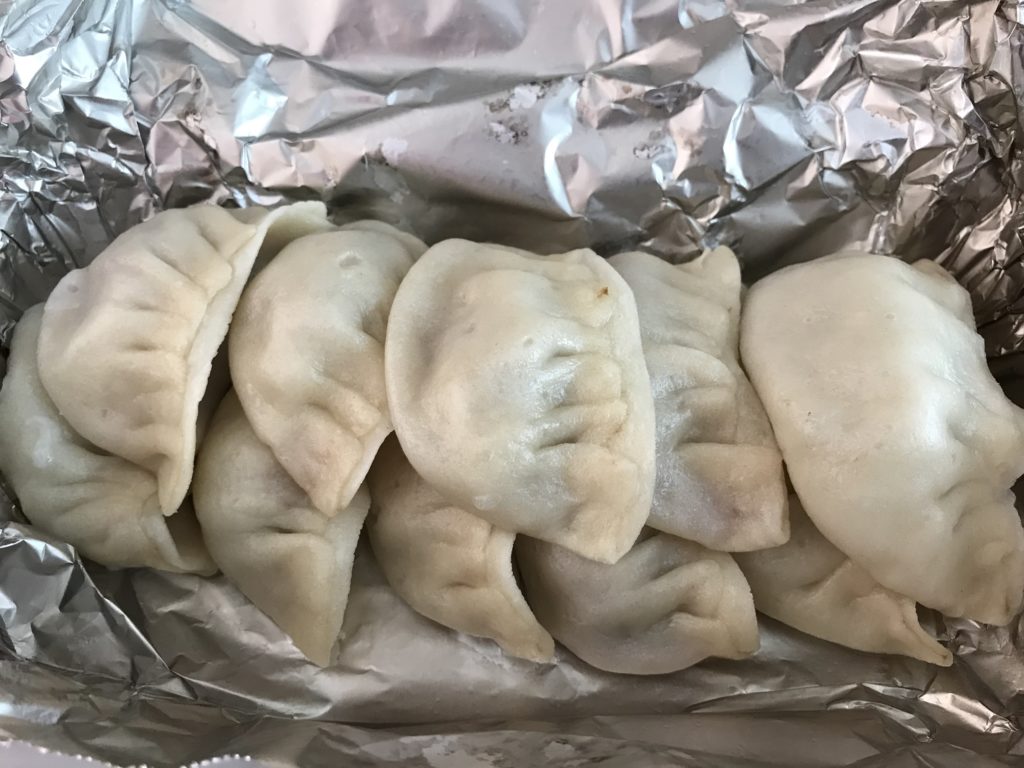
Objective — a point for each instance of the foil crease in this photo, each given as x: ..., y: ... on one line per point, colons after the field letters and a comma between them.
x: 785, y: 130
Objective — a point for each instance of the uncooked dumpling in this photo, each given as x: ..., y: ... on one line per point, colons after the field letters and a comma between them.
x: 666, y: 605
x: 518, y: 390
x: 719, y: 479
x: 898, y: 440
x: 104, y: 506
x: 812, y: 586
x: 127, y: 343
x: 447, y: 564
x: 307, y: 354
x: 292, y: 561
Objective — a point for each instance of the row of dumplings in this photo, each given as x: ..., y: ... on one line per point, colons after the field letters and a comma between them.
x: 585, y: 424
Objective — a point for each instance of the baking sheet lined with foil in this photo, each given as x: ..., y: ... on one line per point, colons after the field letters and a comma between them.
x: 784, y: 130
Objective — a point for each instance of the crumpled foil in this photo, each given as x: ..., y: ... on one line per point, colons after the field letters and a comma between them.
x: 784, y: 129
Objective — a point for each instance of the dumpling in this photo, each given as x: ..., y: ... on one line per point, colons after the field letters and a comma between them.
x: 812, y: 586
x: 291, y: 560
x: 898, y: 440
x: 412, y: 244
x: 127, y: 343
x: 518, y: 390
x: 447, y: 564
x: 666, y: 605
x: 719, y: 472
x: 307, y: 354
x: 104, y: 506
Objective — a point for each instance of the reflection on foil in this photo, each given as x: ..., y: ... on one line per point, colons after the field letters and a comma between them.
x: 785, y: 130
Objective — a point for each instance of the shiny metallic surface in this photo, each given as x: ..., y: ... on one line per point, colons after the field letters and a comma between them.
x: 785, y: 130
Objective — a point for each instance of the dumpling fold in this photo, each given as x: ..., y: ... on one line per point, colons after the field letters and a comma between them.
x: 103, y: 505
x: 291, y: 560
x: 127, y: 343
x: 719, y: 471
x: 899, y: 442
x: 666, y: 605
x: 518, y: 390
x: 307, y: 354
x: 446, y: 563
x: 812, y: 586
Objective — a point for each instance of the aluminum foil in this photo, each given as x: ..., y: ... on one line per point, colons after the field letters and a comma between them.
x: 784, y: 129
